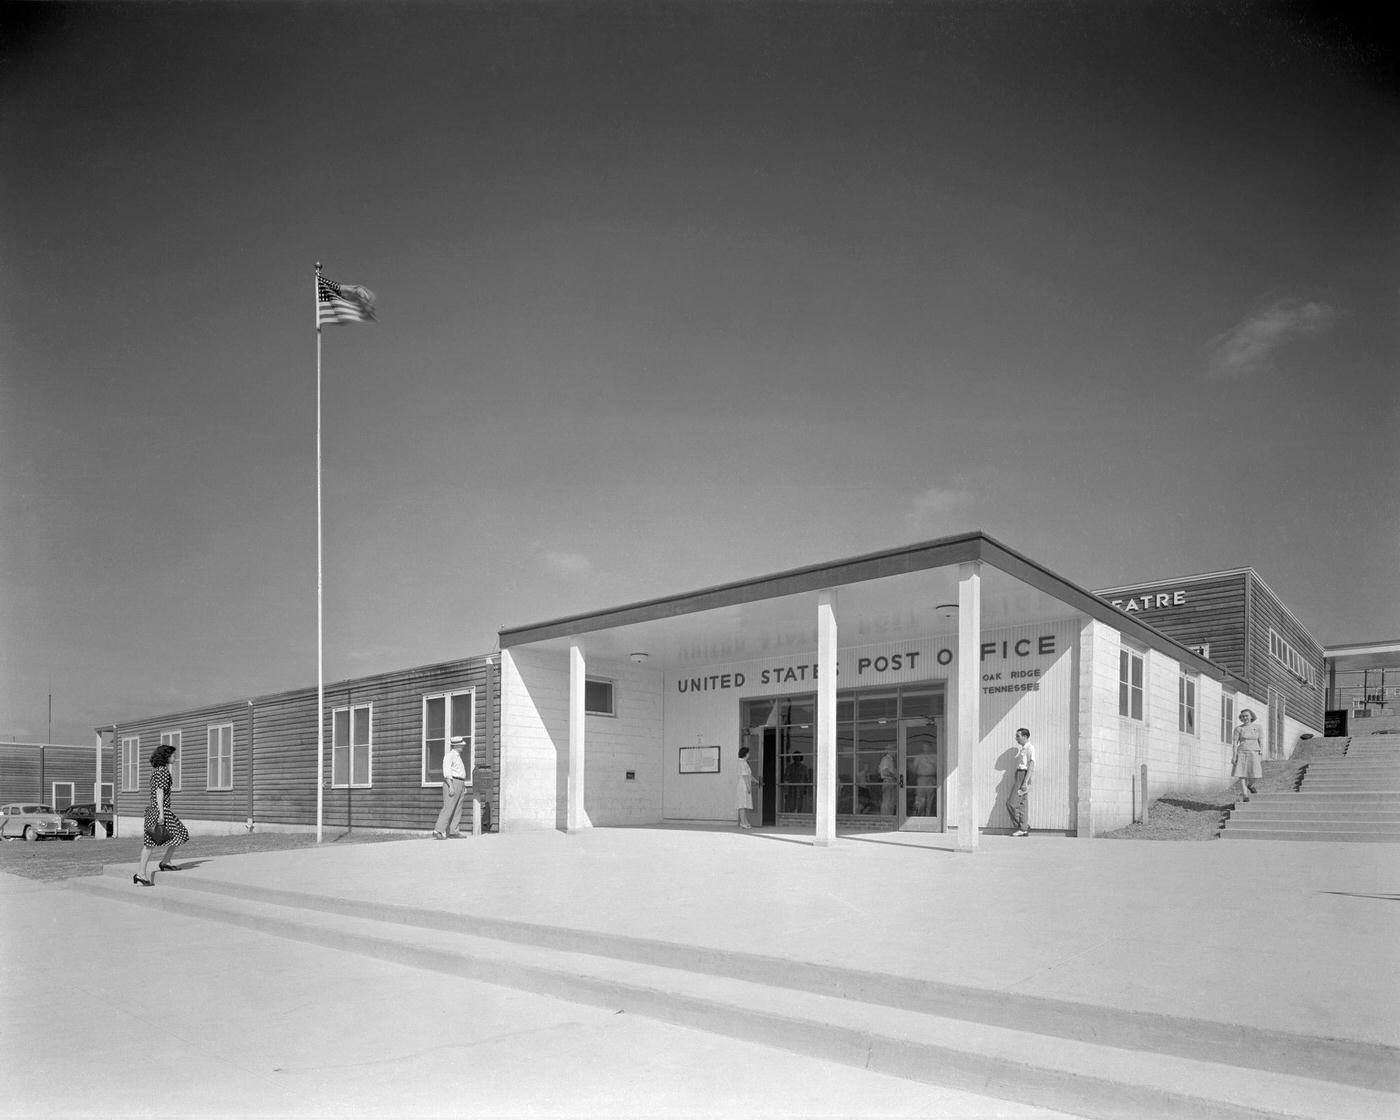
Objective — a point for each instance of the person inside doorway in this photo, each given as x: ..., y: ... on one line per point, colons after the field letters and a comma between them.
x: 923, y: 776
x: 798, y: 781
x: 889, y: 785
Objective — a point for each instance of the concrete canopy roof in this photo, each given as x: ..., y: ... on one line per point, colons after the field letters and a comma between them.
x: 1371, y: 655
x: 891, y: 595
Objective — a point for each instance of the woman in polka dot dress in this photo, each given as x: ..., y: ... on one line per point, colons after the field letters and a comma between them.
x: 159, y: 812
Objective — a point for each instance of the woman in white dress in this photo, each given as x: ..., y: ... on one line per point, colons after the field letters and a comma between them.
x: 1249, y: 753
x: 744, y: 790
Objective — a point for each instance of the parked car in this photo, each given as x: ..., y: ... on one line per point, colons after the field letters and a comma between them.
x: 87, y: 817
x: 35, y: 822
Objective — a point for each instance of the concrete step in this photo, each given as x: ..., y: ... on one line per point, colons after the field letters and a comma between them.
x: 1031, y: 1049
x: 1340, y: 795
x: 1255, y: 811
x: 1354, y: 765
x: 1292, y: 824
x: 1320, y: 834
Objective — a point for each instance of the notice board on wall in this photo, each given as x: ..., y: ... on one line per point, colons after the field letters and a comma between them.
x: 700, y: 760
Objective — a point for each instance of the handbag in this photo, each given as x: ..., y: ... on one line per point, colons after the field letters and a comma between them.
x: 160, y: 835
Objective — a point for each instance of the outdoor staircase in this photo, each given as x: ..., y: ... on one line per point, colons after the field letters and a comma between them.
x: 1353, y: 796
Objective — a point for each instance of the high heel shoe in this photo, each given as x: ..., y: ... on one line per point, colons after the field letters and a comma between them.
x: 143, y: 882
x: 168, y: 867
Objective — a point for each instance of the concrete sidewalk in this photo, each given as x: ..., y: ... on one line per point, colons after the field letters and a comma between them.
x: 1264, y: 973
x: 1298, y: 937
x: 118, y: 1012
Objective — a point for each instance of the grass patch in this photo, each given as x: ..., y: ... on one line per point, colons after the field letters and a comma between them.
x: 1194, y: 816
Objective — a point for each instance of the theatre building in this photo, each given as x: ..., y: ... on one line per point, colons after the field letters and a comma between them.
x: 1234, y: 619
x: 878, y: 692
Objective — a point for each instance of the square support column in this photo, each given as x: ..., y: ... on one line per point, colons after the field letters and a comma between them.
x: 969, y: 696
x: 575, y: 819
x: 826, y: 718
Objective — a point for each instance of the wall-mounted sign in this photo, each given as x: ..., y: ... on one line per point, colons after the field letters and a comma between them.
x: 700, y: 760
x: 1150, y: 600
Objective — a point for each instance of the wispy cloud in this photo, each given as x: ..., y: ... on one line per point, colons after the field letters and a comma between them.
x: 571, y: 564
x: 929, y: 513
x: 1249, y: 346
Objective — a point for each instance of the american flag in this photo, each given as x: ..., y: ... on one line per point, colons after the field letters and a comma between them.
x: 342, y: 303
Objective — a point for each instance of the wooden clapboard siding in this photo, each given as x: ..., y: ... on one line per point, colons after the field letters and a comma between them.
x: 1213, y: 613
x: 29, y: 770
x: 1233, y: 612
x: 1302, y: 701
x: 275, y: 781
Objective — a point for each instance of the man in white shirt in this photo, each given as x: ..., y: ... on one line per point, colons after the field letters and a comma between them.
x: 454, y: 785
x: 1021, y: 787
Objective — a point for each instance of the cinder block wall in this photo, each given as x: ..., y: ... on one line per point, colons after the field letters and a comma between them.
x: 535, y: 744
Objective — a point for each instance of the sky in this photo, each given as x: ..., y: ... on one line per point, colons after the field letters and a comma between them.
x: 669, y: 294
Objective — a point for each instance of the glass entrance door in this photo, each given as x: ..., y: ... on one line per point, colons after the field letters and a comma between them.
x: 890, y: 765
x: 921, y: 767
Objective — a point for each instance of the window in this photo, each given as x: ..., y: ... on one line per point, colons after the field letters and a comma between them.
x: 598, y: 697
x: 1130, y: 683
x: 62, y: 795
x: 446, y: 714
x: 350, y: 747
x: 177, y: 760
x: 1291, y: 659
x: 131, y: 775
x: 1227, y: 719
x: 1186, y: 704
x: 220, y: 775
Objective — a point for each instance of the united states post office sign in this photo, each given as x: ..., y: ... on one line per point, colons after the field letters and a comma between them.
x: 1010, y: 660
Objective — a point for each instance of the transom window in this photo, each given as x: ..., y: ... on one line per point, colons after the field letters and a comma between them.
x: 219, y: 773
x: 1291, y: 659
x: 598, y: 698
x: 446, y: 714
x: 351, y: 749
x: 1130, y: 677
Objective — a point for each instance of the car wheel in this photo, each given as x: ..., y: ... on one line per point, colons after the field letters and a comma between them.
x: 30, y: 834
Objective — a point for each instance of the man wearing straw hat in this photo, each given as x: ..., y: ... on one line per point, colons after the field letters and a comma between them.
x: 454, y: 785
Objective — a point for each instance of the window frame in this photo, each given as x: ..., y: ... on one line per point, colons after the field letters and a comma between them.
x: 1291, y: 659
x: 612, y: 696
x: 131, y: 768
x: 1132, y: 696
x: 212, y: 759
x: 431, y: 777
x: 1227, y: 717
x: 349, y: 748
x: 72, y: 795
x: 177, y: 761
x: 1188, y: 721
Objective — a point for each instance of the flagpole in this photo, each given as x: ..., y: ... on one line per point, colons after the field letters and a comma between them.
x: 320, y: 658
